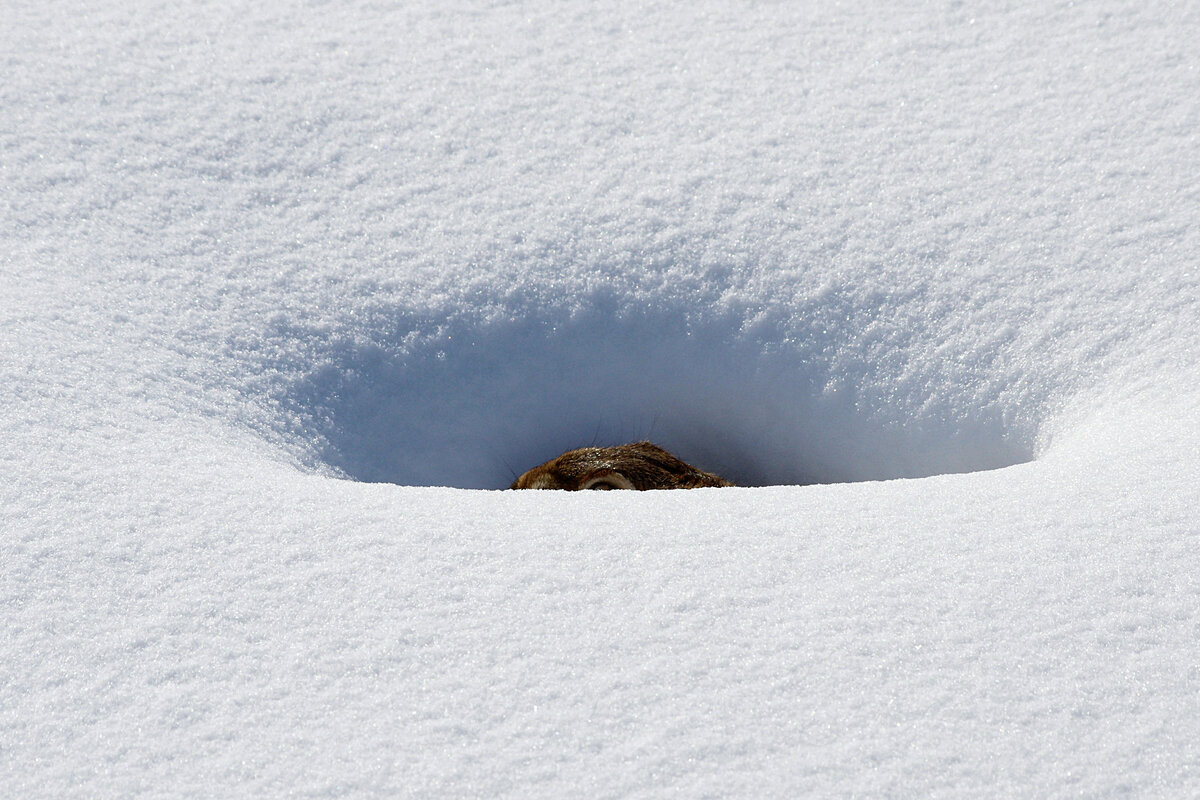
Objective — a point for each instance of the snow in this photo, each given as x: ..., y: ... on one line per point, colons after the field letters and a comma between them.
x: 285, y: 286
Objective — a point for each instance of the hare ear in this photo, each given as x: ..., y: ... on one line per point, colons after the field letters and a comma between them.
x: 606, y: 479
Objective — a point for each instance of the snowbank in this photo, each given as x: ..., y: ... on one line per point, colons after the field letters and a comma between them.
x: 282, y: 284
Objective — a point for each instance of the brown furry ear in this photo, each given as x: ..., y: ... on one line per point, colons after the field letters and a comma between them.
x: 606, y: 479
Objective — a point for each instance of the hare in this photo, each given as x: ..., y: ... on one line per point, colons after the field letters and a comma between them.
x: 640, y: 465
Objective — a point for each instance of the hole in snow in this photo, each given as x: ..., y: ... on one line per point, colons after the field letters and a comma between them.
x: 482, y: 404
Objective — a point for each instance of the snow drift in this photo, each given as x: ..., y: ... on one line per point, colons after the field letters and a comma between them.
x: 261, y: 264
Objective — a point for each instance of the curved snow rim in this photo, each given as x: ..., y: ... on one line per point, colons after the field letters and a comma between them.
x: 478, y: 404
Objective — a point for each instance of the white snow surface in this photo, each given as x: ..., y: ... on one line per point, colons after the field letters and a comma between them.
x: 286, y: 285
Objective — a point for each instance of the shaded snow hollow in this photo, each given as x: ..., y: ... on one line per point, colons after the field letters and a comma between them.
x: 474, y: 407
x: 281, y: 285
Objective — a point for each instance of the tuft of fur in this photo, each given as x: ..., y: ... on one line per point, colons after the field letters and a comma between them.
x: 640, y: 465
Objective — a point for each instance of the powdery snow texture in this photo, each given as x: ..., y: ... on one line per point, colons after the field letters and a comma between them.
x: 282, y: 285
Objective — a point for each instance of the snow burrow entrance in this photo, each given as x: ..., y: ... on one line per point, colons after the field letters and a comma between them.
x: 474, y: 407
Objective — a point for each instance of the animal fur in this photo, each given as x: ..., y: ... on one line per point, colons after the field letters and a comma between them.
x: 640, y: 465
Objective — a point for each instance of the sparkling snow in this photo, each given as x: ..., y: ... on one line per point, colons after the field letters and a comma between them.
x: 285, y: 285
